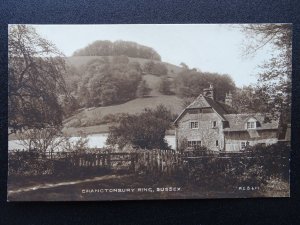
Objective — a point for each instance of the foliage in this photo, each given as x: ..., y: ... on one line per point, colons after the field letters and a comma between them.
x: 45, y: 141
x: 118, y: 48
x: 249, y: 99
x: 145, y: 130
x: 275, y: 159
x: 41, y: 140
x: 35, y: 81
x: 28, y: 164
x: 155, y: 68
x: 254, y: 168
x: 69, y: 105
x: 184, y: 66
x: 106, y: 83
x: 143, y: 89
x: 190, y: 83
x: 165, y: 86
x: 42, y: 146
x: 275, y: 78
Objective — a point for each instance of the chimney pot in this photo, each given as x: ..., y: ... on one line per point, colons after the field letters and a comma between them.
x: 209, y: 92
x: 228, y: 99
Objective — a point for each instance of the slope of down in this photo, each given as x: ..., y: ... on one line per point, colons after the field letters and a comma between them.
x: 93, y: 117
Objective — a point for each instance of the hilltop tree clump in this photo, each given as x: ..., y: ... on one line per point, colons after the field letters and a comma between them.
x: 118, y: 48
x: 106, y: 82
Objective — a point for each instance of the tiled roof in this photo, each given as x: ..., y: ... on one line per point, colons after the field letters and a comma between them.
x: 218, y: 107
x: 199, y: 102
x: 237, y: 121
x: 204, y: 102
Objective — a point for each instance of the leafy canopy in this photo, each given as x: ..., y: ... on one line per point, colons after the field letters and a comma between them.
x: 35, y: 81
x: 118, y: 48
x: 146, y: 130
x: 275, y: 79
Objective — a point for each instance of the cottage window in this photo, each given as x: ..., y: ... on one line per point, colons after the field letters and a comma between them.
x: 194, y: 125
x: 244, y: 144
x: 251, y: 125
x: 214, y: 124
x: 217, y: 143
x: 194, y: 143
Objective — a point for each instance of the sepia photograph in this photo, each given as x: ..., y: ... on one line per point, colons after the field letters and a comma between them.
x: 149, y: 111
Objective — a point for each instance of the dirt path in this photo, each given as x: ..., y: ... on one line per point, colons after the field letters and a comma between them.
x: 54, y: 185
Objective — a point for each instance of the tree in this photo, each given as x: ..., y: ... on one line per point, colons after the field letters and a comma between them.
x: 43, y: 140
x: 143, y: 89
x: 118, y: 48
x: 165, y: 86
x: 155, y: 68
x: 146, y: 130
x: 105, y: 82
x: 48, y: 140
x: 184, y: 66
x: 35, y: 80
x: 275, y: 78
x: 250, y: 99
x: 190, y: 83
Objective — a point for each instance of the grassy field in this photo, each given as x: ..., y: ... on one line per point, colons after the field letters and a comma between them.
x: 94, y: 116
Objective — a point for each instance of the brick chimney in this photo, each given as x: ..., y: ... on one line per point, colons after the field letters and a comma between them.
x: 209, y: 92
x: 228, y: 99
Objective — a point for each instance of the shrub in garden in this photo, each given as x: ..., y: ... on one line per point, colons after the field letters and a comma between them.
x: 28, y: 163
x: 274, y: 158
x: 253, y: 168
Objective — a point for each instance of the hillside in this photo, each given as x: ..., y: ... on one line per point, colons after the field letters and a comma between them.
x: 152, y: 80
x: 94, y: 120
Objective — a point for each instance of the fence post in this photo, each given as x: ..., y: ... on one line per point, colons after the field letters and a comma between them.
x: 132, y: 159
x: 103, y: 160
x: 108, y: 161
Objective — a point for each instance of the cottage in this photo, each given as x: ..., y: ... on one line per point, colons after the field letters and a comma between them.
x: 209, y: 123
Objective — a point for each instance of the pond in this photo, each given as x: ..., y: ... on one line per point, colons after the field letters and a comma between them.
x: 94, y: 141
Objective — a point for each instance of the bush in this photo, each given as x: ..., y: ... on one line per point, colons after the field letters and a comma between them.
x: 142, y: 89
x: 28, y: 163
x: 165, y: 86
x: 275, y: 159
x: 254, y: 168
x: 225, y: 173
x: 145, y: 130
x: 155, y: 68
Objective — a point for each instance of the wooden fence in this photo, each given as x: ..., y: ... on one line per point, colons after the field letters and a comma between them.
x: 142, y: 161
x: 158, y: 161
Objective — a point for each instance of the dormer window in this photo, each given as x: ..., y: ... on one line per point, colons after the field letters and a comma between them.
x: 251, y: 124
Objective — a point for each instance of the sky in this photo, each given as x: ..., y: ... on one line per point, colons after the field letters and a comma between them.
x: 209, y: 48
